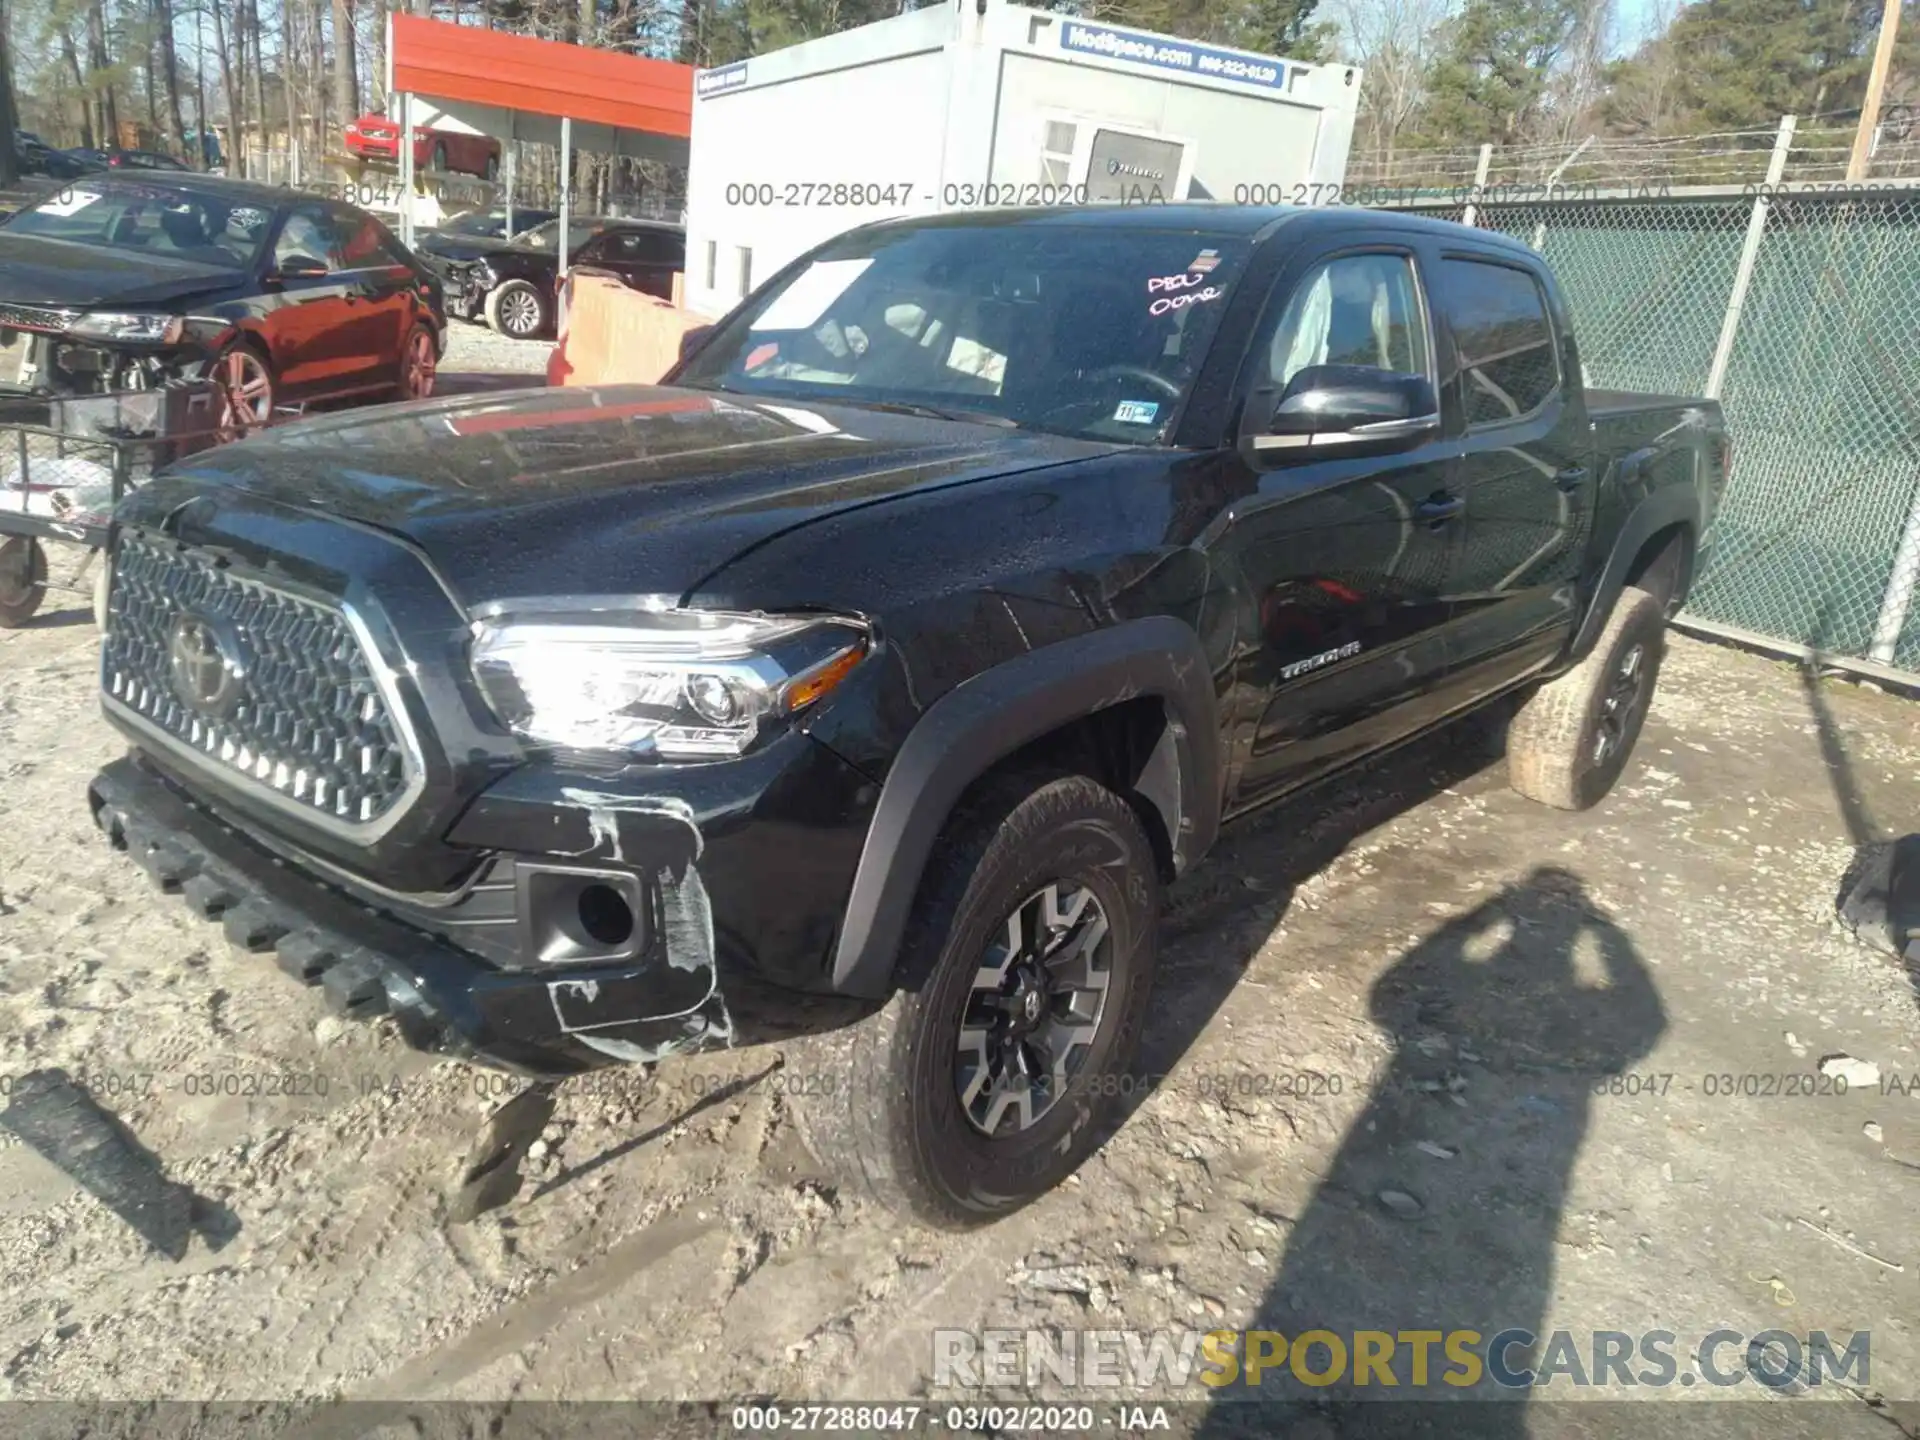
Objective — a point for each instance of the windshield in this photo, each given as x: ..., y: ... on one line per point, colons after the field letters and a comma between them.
x: 1089, y: 330
x: 142, y: 221
x: 546, y: 236
x: 477, y: 222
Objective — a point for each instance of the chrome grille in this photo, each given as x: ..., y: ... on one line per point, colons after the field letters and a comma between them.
x: 35, y: 317
x: 297, y: 708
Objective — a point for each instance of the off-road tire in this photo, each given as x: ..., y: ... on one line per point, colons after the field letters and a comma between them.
x: 1554, y: 743
x: 877, y: 1102
x: 498, y: 297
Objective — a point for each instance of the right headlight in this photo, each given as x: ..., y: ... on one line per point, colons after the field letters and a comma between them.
x: 667, y: 683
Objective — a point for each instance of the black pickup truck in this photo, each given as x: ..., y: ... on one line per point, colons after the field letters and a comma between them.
x: 863, y: 684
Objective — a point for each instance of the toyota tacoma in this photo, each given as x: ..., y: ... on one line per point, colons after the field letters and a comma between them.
x: 862, y: 685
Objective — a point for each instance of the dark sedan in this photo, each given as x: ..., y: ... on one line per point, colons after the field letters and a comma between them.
x: 516, y: 287
x: 124, y: 283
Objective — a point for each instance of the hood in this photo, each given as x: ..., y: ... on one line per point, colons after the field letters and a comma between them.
x: 38, y: 271
x: 472, y: 247
x: 611, y: 490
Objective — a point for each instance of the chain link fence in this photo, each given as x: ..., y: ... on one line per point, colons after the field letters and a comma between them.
x: 1817, y: 544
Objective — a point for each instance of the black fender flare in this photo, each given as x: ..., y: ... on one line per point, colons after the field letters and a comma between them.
x: 991, y: 715
x: 1661, y: 510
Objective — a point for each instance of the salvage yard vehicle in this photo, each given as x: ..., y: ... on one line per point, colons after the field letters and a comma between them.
x: 374, y: 137
x: 123, y: 284
x: 862, y: 684
x: 516, y: 286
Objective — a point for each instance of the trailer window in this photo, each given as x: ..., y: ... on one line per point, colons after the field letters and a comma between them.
x: 1094, y: 329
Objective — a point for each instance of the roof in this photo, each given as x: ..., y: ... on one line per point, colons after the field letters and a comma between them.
x: 1203, y: 217
x: 467, y: 63
x: 191, y: 182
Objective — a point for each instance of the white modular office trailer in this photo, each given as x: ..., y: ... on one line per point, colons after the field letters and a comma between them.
x: 979, y: 103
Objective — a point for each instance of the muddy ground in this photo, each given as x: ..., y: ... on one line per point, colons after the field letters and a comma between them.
x: 1458, y: 969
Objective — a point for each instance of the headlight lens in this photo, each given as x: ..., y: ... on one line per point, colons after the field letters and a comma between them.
x: 676, y: 684
x: 109, y: 325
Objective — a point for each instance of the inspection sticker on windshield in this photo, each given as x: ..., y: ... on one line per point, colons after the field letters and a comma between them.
x: 1205, y: 261
x: 69, y: 202
x: 1136, y: 412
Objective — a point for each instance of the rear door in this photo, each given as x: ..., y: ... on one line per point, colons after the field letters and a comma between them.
x: 1346, y: 558
x: 1524, y: 470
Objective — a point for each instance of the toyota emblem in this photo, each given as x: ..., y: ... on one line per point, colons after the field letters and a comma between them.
x: 204, y: 659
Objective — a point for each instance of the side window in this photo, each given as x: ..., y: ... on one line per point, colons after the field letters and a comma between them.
x: 1509, y: 366
x: 1356, y: 310
x: 306, y: 234
x: 358, y: 241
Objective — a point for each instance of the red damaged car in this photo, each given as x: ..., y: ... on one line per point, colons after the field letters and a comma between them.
x: 375, y: 137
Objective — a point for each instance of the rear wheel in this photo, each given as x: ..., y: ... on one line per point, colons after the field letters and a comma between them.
x: 246, y: 391
x: 999, y: 1065
x: 419, y: 361
x: 517, y: 309
x: 1572, y: 739
x: 23, y: 580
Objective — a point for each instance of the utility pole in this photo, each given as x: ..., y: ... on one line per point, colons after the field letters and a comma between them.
x: 1876, y: 87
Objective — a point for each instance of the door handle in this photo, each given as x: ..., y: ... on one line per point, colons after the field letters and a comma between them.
x: 1437, y: 509
x: 1571, y: 478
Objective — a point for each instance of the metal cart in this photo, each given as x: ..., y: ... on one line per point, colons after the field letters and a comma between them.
x: 65, y: 463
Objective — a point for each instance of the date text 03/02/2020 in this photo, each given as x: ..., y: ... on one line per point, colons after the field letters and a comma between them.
x: 955, y: 195
x: 774, y: 1417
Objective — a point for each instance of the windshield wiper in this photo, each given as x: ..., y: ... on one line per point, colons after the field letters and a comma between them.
x: 934, y: 412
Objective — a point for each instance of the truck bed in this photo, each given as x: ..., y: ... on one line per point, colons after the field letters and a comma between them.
x: 1605, y: 403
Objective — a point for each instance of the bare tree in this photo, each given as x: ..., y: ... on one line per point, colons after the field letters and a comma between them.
x: 346, y: 80
x: 1394, y: 41
x: 170, y: 72
x: 107, y: 118
x: 9, y: 117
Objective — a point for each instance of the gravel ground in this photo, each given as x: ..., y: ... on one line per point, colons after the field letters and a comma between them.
x: 1459, y: 969
x: 478, y: 356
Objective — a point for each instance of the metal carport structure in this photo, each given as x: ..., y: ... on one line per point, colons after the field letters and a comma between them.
x: 516, y: 88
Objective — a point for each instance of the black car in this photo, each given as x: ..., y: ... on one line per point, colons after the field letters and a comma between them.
x: 38, y: 158
x: 863, y: 683
x: 122, y: 283
x: 142, y: 160
x: 480, y: 225
x: 516, y: 287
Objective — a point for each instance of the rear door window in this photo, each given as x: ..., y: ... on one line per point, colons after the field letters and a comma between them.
x: 1509, y: 365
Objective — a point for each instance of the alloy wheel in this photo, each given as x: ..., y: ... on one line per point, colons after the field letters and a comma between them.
x: 418, y: 366
x: 1626, y: 690
x: 520, y: 313
x: 246, y: 393
x: 1035, y: 1006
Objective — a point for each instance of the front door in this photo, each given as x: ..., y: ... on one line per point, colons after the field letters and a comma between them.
x: 1523, y: 471
x: 1346, y: 558
x: 306, y: 330
x: 645, y: 259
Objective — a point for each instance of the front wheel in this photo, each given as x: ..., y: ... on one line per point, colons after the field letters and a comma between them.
x: 1000, y: 1064
x: 1573, y: 737
x: 517, y: 310
x: 419, y: 361
x: 246, y: 392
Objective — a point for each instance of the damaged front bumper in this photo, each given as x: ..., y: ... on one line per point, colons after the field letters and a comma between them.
x: 671, y: 992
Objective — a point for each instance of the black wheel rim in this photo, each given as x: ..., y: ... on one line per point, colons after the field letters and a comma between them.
x: 1620, y: 706
x: 1034, y: 1010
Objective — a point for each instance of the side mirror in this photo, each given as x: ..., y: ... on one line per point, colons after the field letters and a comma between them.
x: 299, y: 267
x: 1341, y: 406
x: 692, y: 340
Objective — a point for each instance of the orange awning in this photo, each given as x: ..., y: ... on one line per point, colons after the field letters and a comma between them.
x: 466, y: 64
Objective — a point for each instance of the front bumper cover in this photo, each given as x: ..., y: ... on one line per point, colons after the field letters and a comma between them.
x: 367, y: 964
